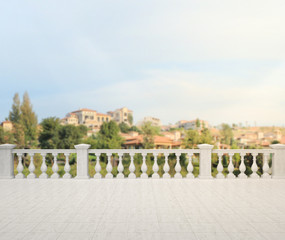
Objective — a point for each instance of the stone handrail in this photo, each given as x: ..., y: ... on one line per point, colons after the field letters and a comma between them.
x: 205, y: 152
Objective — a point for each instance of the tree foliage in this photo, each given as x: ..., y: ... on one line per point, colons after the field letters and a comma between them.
x: 28, y: 121
x: 15, y: 113
x: 149, y: 131
x: 54, y: 135
x: 49, y: 136
x: 226, y: 134
x: 194, y: 137
x: 191, y: 139
x: 130, y: 119
x: 109, y: 136
x: 124, y: 128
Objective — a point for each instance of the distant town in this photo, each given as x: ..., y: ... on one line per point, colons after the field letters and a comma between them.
x: 169, y: 136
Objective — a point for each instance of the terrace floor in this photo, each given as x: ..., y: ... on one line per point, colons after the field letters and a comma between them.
x: 142, y: 209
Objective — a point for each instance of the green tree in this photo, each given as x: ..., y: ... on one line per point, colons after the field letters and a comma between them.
x: 6, y: 136
x: 130, y: 119
x: 28, y: 121
x: 109, y: 136
x: 135, y: 129
x: 15, y: 118
x: 70, y: 135
x: 49, y: 135
x: 149, y: 131
x: 124, y: 128
x: 15, y: 114
x: 198, y: 123
x: 191, y: 139
x: 206, y: 136
x: 226, y: 134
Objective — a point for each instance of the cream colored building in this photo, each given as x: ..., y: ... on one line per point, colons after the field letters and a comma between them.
x: 193, y: 124
x: 121, y: 115
x: 7, y: 126
x: 154, y: 121
x: 88, y: 117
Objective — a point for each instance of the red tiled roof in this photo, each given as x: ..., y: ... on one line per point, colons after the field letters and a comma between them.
x: 84, y: 109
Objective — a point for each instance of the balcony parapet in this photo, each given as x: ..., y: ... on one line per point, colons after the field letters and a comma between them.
x: 203, y: 163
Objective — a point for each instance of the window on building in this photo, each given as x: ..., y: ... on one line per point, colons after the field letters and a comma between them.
x: 98, y: 119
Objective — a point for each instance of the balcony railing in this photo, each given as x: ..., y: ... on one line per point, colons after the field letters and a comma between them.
x: 83, y: 163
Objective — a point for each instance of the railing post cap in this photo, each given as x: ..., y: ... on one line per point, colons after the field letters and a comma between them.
x: 205, y: 146
x: 277, y: 146
x: 7, y: 146
x: 82, y: 146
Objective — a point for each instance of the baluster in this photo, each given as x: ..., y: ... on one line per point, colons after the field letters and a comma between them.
x: 178, y: 166
x: 231, y: 167
x: 32, y: 167
x: 98, y: 175
x: 43, y: 167
x: 220, y: 167
x: 242, y: 167
x: 155, y: 167
x: 254, y: 167
x: 109, y: 167
x: 120, y: 166
x: 265, y: 166
x: 55, y: 166
x: 144, y: 167
x: 190, y: 167
x: 166, y: 167
x: 132, y: 167
x: 66, y: 167
x: 20, y: 167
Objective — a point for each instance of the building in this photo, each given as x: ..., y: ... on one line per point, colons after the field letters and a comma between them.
x: 7, y: 126
x: 88, y: 117
x: 196, y: 124
x: 154, y: 121
x: 122, y: 115
x: 160, y: 142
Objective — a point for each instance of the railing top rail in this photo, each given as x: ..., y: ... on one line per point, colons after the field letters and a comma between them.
x: 145, y: 151
x: 43, y: 151
x: 244, y: 151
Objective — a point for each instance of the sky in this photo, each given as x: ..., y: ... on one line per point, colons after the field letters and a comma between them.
x: 217, y: 60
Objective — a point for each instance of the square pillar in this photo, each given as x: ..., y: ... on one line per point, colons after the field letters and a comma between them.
x: 278, y: 161
x: 82, y: 161
x: 205, y: 166
x: 6, y: 161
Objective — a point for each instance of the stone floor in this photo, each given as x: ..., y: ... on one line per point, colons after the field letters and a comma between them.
x: 142, y: 209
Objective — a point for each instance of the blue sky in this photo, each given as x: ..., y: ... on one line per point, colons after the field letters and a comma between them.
x: 223, y: 61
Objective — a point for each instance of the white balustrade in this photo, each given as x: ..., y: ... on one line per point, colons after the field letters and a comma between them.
x: 98, y: 168
x: 254, y: 167
x: 132, y: 167
x: 82, y: 151
x: 231, y: 167
x: 120, y: 167
x: 67, y: 167
x: 242, y: 167
x: 20, y: 167
x: 155, y: 167
x: 109, y: 167
x: 265, y: 166
x: 166, y: 167
x: 144, y: 167
x: 31, y: 167
x: 55, y: 175
x: 220, y: 167
x: 190, y: 167
x: 43, y: 167
x: 178, y: 166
